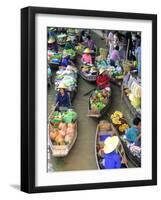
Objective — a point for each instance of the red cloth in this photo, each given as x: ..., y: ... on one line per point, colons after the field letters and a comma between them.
x: 102, y: 81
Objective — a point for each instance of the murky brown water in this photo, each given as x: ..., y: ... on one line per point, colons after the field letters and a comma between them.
x: 82, y: 155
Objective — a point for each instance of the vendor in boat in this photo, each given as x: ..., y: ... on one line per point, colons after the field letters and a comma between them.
x: 52, y: 44
x: 69, y: 44
x: 102, y: 79
x: 133, y: 134
x: 115, y: 56
x: 112, y: 159
x: 63, y: 99
x: 86, y: 57
x: 90, y: 43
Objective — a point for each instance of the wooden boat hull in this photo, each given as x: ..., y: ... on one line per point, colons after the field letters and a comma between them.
x: 54, y: 65
x: 134, y: 160
x: 133, y: 111
x: 102, y: 112
x: 62, y: 150
x: 97, y: 145
x: 91, y: 78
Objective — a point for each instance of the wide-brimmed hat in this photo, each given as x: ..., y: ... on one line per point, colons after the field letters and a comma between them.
x: 62, y: 86
x: 51, y: 40
x: 87, y: 50
x: 102, y: 70
x: 110, y: 144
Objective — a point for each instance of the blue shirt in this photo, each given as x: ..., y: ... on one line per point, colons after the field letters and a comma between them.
x: 65, y: 61
x: 63, y: 100
x: 112, y: 160
x: 132, y: 134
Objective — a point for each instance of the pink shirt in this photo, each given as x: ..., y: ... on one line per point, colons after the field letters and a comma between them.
x: 115, y: 55
x: 87, y: 58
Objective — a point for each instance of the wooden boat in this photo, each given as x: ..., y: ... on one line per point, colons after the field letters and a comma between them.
x: 99, y: 145
x: 133, y: 110
x: 133, y: 159
x: 90, y: 78
x: 101, y: 112
x: 60, y: 150
x: 87, y: 76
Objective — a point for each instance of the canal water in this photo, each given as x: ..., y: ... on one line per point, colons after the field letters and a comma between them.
x: 82, y: 155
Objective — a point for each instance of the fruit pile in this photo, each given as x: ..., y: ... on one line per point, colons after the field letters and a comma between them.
x: 70, y: 52
x: 54, y: 58
x: 119, y: 121
x: 99, y: 99
x: 87, y: 69
x: 62, y: 127
x: 80, y: 48
x: 116, y: 73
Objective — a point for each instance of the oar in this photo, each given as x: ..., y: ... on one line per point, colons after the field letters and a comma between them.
x: 89, y: 91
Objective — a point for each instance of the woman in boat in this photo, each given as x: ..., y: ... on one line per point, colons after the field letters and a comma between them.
x: 115, y: 56
x: 86, y: 58
x: 63, y: 99
x: 52, y: 44
x: 133, y: 134
x: 102, y: 79
x: 90, y: 43
x: 112, y: 159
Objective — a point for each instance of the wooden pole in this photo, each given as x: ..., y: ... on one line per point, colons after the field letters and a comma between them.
x: 127, y: 50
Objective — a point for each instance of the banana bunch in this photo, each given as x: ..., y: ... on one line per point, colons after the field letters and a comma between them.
x: 116, y: 121
x: 123, y: 127
x: 117, y: 114
x: 115, y: 117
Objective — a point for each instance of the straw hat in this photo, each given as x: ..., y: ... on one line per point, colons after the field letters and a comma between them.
x: 62, y: 86
x: 51, y: 40
x: 110, y: 144
x: 87, y: 50
x: 102, y: 70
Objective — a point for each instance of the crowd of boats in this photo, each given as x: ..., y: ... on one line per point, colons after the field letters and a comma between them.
x: 73, y: 53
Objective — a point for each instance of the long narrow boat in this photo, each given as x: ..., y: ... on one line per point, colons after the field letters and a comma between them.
x: 99, y: 144
x: 91, y: 77
x: 133, y: 110
x: 103, y: 111
x: 133, y: 159
x: 61, y: 148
